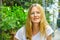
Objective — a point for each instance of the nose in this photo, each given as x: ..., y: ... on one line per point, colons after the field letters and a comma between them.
x: 35, y: 14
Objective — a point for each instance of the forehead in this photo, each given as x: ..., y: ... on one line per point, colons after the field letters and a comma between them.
x: 35, y: 9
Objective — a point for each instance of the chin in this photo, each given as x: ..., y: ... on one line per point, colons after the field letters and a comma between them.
x: 36, y: 21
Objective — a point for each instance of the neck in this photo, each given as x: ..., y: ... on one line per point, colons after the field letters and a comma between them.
x: 35, y: 28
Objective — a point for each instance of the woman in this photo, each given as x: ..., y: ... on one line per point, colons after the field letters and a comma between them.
x: 36, y: 27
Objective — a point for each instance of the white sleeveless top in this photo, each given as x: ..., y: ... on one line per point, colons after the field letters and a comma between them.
x: 20, y: 35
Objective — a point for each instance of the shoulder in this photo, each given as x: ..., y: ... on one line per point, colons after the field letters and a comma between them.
x: 49, y: 30
x: 22, y: 29
x: 20, y: 33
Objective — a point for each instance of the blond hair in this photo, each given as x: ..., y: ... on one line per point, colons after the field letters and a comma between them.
x: 43, y: 22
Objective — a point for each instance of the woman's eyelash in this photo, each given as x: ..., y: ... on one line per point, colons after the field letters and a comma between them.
x: 32, y: 13
x: 36, y: 12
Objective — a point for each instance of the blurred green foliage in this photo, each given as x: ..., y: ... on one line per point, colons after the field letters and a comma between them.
x: 12, y: 19
x: 48, y: 16
x: 58, y: 22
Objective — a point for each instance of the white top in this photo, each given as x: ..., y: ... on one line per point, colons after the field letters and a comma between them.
x: 20, y: 35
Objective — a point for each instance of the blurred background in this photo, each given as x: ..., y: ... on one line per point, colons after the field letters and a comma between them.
x: 13, y: 14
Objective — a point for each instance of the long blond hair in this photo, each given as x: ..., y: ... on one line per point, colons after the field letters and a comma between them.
x: 43, y: 22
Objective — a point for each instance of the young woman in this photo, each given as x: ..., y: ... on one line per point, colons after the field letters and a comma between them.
x: 37, y: 27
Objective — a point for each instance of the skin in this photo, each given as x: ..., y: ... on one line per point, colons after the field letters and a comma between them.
x: 35, y: 18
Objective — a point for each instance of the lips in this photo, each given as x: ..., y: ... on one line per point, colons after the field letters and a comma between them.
x: 36, y: 18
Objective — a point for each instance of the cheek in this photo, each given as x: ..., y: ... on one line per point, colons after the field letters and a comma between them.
x: 31, y: 17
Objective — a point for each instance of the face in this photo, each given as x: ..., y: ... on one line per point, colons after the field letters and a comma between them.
x: 35, y: 15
